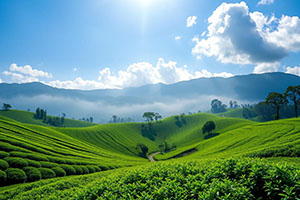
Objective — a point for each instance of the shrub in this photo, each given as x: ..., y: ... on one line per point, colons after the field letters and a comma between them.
x: 47, y: 173
x: 70, y: 162
x: 85, y: 170
x: 14, y: 175
x: 48, y: 164
x: 104, y: 168
x: 37, y: 157
x: 2, y: 177
x: 59, y: 171
x: 4, y: 146
x: 57, y: 160
x: 3, y: 164
x: 32, y: 173
x: 78, y: 169
x: 16, y: 162
x: 91, y: 169
x: 68, y: 169
x: 97, y: 169
x: 33, y: 163
x: 3, y: 154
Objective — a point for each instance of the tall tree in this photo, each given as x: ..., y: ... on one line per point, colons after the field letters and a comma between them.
x: 149, y: 116
x: 6, y: 106
x: 208, y: 127
x: 217, y: 106
x: 157, y: 116
x: 292, y: 93
x: 276, y: 100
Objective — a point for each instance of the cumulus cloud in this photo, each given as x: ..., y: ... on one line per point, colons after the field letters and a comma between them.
x: 293, y: 70
x: 138, y: 74
x: 265, y: 2
x: 190, y: 21
x: 238, y: 36
x: 266, y: 67
x: 177, y: 38
x: 27, y: 69
x: 0, y: 80
x: 25, y: 74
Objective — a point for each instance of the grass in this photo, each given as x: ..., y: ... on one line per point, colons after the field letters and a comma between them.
x: 28, y: 117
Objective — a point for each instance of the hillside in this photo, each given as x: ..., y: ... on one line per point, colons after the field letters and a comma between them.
x: 28, y: 118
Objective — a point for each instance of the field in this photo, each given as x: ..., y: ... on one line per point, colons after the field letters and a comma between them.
x: 240, y: 159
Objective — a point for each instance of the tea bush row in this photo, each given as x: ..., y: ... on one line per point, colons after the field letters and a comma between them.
x: 226, y: 179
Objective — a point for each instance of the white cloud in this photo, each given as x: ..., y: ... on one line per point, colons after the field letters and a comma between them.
x: 293, y: 70
x: 1, y: 80
x: 27, y: 69
x: 138, y: 74
x: 238, y: 36
x: 266, y: 67
x: 25, y: 74
x: 177, y: 38
x: 265, y: 2
x: 190, y: 21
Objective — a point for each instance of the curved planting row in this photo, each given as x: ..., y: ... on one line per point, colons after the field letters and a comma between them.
x: 19, y: 170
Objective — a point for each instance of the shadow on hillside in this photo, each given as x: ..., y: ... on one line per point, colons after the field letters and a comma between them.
x: 211, y: 135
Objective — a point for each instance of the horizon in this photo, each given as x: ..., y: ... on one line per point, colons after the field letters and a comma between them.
x: 120, y: 44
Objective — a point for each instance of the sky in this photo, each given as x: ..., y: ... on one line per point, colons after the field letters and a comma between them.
x: 98, y: 44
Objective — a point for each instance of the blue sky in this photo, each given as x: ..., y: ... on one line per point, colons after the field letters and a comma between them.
x: 121, y: 43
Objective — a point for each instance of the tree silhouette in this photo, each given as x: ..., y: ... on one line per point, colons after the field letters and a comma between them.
x: 208, y: 127
x: 217, y: 106
x: 6, y: 106
x: 276, y: 100
x: 292, y: 93
x: 149, y: 116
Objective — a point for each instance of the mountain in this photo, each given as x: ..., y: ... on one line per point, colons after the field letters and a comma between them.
x: 186, y: 96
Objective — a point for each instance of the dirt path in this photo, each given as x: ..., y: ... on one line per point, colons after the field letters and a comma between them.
x: 150, y: 157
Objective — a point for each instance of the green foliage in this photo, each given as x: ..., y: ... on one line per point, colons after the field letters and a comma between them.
x: 6, y: 106
x: 16, y: 162
x: 2, y: 177
x: 226, y: 179
x: 47, y: 173
x: 3, y: 154
x: 3, y: 164
x: 91, y: 169
x: 97, y: 169
x: 276, y: 100
x: 217, y: 106
x: 208, y: 127
x: 32, y: 173
x: 33, y: 163
x: 85, y: 170
x: 46, y: 164
x: 15, y: 175
x: 68, y: 169
x: 78, y: 169
x: 142, y: 149
x: 59, y: 171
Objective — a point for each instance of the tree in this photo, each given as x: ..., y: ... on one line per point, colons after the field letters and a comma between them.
x: 114, y: 117
x: 217, y: 106
x: 276, y: 100
x: 157, y: 116
x: 143, y: 149
x: 91, y: 119
x: 208, y: 127
x: 292, y: 93
x: 149, y: 116
x: 6, y: 106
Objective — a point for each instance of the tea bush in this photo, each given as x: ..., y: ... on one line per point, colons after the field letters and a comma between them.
x: 33, y: 163
x: 3, y: 164
x: 47, y: 164
x: 15, y: 175
x: 32, y: 173
x: 78, y: 169
x: 59, y: 171
x: 68, y: 169
x: 2, y: 177
x: 3, y: 154
x: 47, y: 173
x: 16, y: 162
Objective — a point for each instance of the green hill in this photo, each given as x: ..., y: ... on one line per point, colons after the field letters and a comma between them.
x: 28, y: 117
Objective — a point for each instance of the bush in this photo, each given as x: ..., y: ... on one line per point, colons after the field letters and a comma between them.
x: 37, y: 157
x: 3, y: 164
x: 59, y: 171
x: 104, y: 168
x: 85, y: 170
x: 33, y: 163
x: 2, y: 177
x: 97, y: 169
x: 16, y: 162
x: 46, y: 164
x: 57, y: 160
x: 32, y: 173
x: 3, y: 154
x: 91, y: 169
x: 68, y: 169
x: 47, y: 173
x: 78, y: 169
x: 14, y: 175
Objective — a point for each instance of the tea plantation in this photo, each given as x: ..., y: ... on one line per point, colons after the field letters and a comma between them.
x: 240, y: 159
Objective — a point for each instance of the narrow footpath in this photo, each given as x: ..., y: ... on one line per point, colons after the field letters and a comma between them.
x: 150, y: 157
